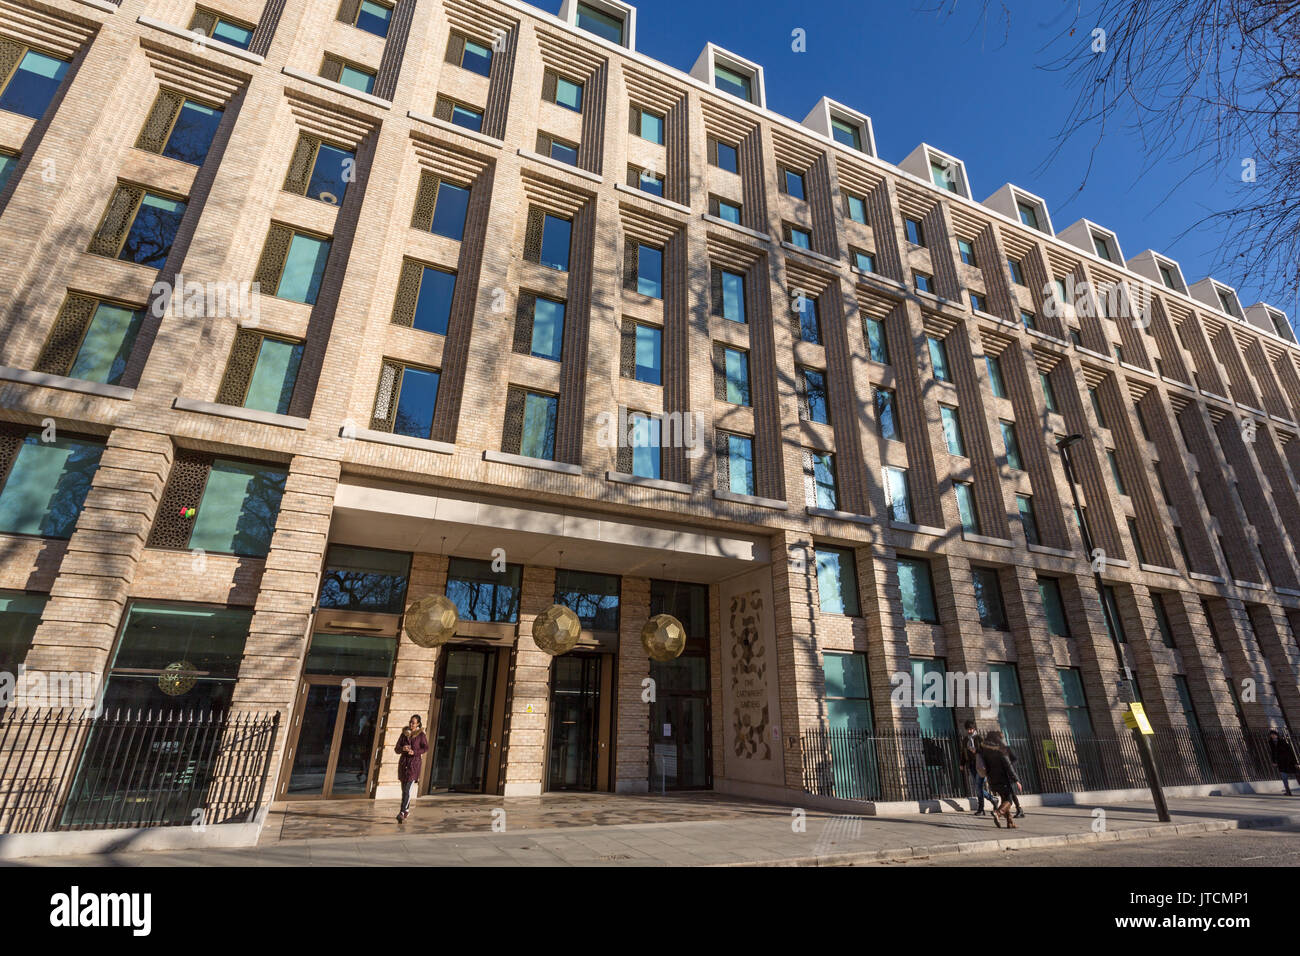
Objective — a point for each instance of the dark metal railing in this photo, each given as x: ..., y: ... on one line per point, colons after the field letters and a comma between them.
x: 65, y: 770
x: 887, y: 765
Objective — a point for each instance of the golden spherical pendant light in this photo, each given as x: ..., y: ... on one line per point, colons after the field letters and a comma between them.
x: 663, y: 637
x: 556, y: 630
x: 431, y: 621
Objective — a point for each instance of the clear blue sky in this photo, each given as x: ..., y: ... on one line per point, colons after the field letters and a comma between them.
x: 925, y: 77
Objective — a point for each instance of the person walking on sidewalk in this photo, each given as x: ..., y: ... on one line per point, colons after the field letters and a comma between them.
x: 1011, y: 754
x: 412, y: 745
x: 1283, y: 755
x: 1001, y: 775
x: 970, y: 746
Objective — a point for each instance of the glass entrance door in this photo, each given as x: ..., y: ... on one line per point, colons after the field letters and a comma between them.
x: 337, y: 733
x: 574, y: 760
x: 679, y: 724
x: 461, y: 743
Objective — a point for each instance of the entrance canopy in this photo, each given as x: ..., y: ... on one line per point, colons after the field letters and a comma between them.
x: 378, y: 514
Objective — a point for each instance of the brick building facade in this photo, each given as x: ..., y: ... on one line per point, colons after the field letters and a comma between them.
x: 866, y: 374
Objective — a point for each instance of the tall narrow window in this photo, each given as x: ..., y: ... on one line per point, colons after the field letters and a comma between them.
x: 729, y: 294
x: 915, y: 231
x: 450, y: 211
x: 736, y: 463
x: 437, y: 290
x: 1012, y: 446
x: 293, y: 264
x: 650, y: 271
x: 1049, y: 394
x: 966, y: 507
x: 645, y: 448
x: 417, y: 399
x: 810, y: 325
x: 877, y: 345
x: 996, y: 385
x: 91, y: 340
x: 916, y: 588
x: 538, y: 439
x: 179, y: 128
x: 274, y: 374
x: 647, y: 359
x: 1049, y: 594
x: 966, y: 249
x: 837, y: 580
x: 736, y: 373
x: 952, y: 431
x: 988, y: 598
x: 938, y: 358
x: 815, y: 407
x: 1028, y: 520
x: 898, y: 496
x: 1028, y: 215
x: 885, y: 422
x: 793, y: 184
x: 819, y: 479
x: 726, y: 156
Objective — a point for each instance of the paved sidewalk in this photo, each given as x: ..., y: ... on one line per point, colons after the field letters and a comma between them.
x: 712, y: 830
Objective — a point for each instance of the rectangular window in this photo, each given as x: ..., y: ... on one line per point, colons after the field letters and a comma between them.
x: 728, y: 211
x: 1101, y: 246
x: 944, y: 174
x: 915, y: 231
x: 819, y: 479
x: 733, y: 82
x: 20, y: 615
x: 877, y: 345
x: 1139, y: 551
x: 994, y: 365
x: 794, y: 185
x: 1049, y: 593
x: 365, y: 579
x: 8, y: 163
x: 728, y: 156
x: 736, y: 371
x: 952, y: 431
x: 1115, y: 473
x: 568, y: 94
x: 814, y: 393
x: 476, y: 57
x: 467, y: 117
x: 837, y: 580
x: 598, y: 22
x: 938, y: 358
x: 650, y: 271
x: 736, y: 463
x: 1114, y: 623
x: 966, y: 507
x: 482, y: 594
x: 857, y: 208
x: 331, y: 171
x: 562, y: 152
x: 556, y: 236
x: 538, y: 437
x: 107, y: 343
x: 433, y: 302
x: 154, y: 221
x: 275, y: 373
x: 1167, y: 277
x: 373, y: 17
x: 1028, y: 320
x: 650, y: 126
x: 1076, y: 704
x: 593, y: 597
x: 978, y: 302
x: 1012, y: 446
x: 1095, y: 399
x: 917, y: 590
x: 648, y: 365
x: 237, y: 513
x: 304, y: 266
x: 1075, y: 336
x: 644, y: 434
x: 988, y: 598
x: 1017, y: 271
x: 1163, y: 624
x: 864, y: 261
x: 848, y: 694
x: 729, y: 294
x: 846, y: 133
x: 1049, y: 394
x: 193, y: 127
x: 32, y: 85
x: 923, y: 282
x: 898, y: 495
x: 417, y: 398
x: 810, y: 323
x: 1028, y: 521
x: 452, y: 205
x: 646, y: 181
x: 966, y: 250
x: 220, y: 28
x: 356, y: 78
x: 800, y: 238
x: 885, y: 421
x: 47, y: 485
x: 1028, y: 214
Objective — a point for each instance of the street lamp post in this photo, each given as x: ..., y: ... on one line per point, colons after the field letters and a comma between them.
x: 1126, y: 684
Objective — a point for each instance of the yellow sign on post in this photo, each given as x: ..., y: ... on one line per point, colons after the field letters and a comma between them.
x: 1135, y: 718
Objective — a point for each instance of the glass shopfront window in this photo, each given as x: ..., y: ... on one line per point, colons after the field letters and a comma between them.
x: 593, y: 597
x: 351, y: 655
x: 365, y: 579
x: 481, y: 594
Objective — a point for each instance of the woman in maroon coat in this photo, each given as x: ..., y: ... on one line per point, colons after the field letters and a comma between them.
x: 412, y: 745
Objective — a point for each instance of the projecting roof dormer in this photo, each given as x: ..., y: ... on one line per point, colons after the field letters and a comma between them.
x: 848, y: 127
x: 1219, y: 296
x: 731, y: 74
x: 1024, y: 207
x: 1161, y: 270
x: 607, y: 19
x: 1274, y: 320
x: 1090, y: 237
x: 944, y: 170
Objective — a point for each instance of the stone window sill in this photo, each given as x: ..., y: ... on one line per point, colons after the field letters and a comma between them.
x: 234, y: 411
x: 63, y: 383
x: 523, y: 461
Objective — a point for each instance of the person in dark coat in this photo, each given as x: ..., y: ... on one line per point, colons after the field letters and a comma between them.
x: 1015, y: 799
x: 412, y: 745
x: 1283, y: 755
x: 1001, y: 775
x: 968, y: 747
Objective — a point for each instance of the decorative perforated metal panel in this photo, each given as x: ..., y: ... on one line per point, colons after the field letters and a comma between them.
x: 631, y: 257
x: 331, y: 68
x: 348, y: 11
x: 723, y: 459
x: 204, y: 22
x: 239, y: 368
x: 408, y: 293
x: 304, y: 158
x: 523, y: 343
x: 512, y: 435
x: 274, y: 254
x: 386, y: 397
x: 719, y: 373
x: 60, y: 349
x: 159, y: 124
x: 627, y: 349
x: 426, y: 199
x: 533, y: 234
x: 11, y: 439
x: 715, y: 290
x: 117, y: 221
x: 442, y: 109
x: 180, y: 500
x: 455, y: 49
